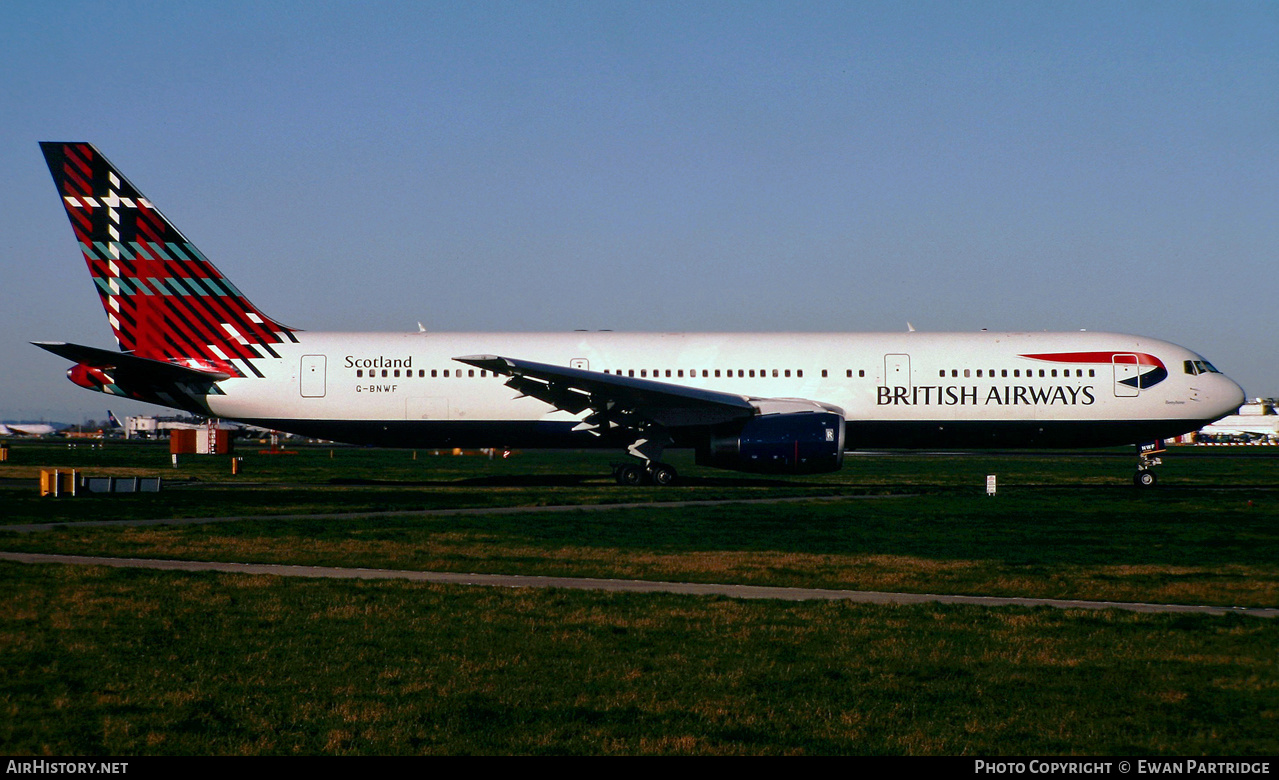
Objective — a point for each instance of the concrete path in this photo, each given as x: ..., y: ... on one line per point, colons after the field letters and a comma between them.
x: 484, y: 510
x: 630, y: 586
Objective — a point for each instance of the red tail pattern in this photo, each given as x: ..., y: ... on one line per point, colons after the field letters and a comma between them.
x: 163, y: 298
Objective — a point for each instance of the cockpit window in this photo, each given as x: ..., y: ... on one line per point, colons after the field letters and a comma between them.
x: 1196, y: 367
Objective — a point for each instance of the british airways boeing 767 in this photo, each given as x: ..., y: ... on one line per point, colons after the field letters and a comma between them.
x: 756, y: 402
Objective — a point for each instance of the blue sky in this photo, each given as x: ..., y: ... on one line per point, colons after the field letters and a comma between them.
x: 662, y: 166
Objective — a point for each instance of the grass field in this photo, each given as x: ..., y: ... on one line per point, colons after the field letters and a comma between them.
x: 132, y: 662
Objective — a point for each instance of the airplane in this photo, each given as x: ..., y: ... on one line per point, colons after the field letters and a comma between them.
x: 28, y: 429
x: 1255, y: 422
x: 771, y: 403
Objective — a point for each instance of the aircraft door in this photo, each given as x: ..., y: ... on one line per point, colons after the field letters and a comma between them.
x: 897, y: 371
x: 1127, y: 371
x: 311, y: 376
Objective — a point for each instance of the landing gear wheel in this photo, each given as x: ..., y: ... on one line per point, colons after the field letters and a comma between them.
x: 1144, y: 479
x: 631, y: 474
x: 662, y: 474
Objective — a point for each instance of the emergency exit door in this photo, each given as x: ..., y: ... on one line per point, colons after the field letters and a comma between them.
x: 897, y: 371
x: 311, y: 376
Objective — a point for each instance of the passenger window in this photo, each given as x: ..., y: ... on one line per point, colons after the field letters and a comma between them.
x: 824, y: 373
x: 1003, y: 372
x: 965, y: 373
x: 774, y: 372
x: 359, y: 372
x: 861, y: 373
x: 979, y: 373
x: 384, y: 372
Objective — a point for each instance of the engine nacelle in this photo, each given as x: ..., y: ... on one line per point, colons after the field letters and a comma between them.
x: 786, y: 443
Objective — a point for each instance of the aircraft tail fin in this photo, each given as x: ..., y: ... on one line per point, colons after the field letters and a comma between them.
x: 164, y: 299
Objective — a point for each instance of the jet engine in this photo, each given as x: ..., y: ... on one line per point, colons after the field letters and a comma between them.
x: 806, y: 442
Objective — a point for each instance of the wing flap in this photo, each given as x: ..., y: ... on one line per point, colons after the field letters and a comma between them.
x: 615, y: 399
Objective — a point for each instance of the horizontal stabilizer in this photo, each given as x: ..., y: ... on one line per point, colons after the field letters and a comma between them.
x: 138, y: 369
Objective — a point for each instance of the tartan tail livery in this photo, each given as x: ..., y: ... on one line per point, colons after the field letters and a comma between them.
x: 180, y: 324
x: 764, y: 403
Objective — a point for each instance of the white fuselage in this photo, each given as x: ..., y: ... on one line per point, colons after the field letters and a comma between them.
x: 903, y: 389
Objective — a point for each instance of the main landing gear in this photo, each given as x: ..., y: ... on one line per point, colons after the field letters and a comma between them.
x: 651, y: 473
x: 1147, y: 459
x: 648, y: 448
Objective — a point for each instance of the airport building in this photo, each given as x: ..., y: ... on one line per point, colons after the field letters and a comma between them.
x: 145, y: 427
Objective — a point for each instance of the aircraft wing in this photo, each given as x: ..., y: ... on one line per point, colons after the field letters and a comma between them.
x: 131, y: 368
x: 617, y: 401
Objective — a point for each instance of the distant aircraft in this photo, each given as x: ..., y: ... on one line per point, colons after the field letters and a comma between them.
x: 763, y: 402
x: 27, y: 429
x: 1255, y: 422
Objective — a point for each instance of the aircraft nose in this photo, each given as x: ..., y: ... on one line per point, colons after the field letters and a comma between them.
x: 1230, y: 395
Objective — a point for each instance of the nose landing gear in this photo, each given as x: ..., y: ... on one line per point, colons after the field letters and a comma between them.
x: 1147, y: 459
